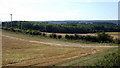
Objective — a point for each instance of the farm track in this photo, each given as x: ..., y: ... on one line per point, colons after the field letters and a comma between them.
x: 54, y: 44
x: 81, y: 50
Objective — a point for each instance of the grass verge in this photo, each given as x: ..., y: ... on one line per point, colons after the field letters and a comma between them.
x: 107, y: 58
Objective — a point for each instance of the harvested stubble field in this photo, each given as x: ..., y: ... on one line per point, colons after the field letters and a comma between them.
x: 26, y: 51
x: 115, y: 35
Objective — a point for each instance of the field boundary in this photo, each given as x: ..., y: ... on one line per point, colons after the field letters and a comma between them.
x: 87, y: 60
x: 52, y: 43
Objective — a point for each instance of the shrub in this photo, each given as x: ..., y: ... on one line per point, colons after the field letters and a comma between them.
x: 11, y: 29
x: 27, y: 31
x: 91, y: 38
x: 109, y: 60
x: 53, y: 35
x: 117, y: 41
x: 31, y: 32
x: 76, y: 36
x: 40, y: 33
x: 59, y: 37
x: 44, y: 34
x: 81, y: 37
x: 71, y: 37
x: 102, y: 37
x: 36, y: 32
x: 17, y: 30
x: 50, y: 35
x: 5, y: 28
x: 94, y: 39
x: 87, y: 37
x: 67, y: 36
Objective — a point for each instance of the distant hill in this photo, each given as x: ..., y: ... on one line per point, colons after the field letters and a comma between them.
x: 83, y: 21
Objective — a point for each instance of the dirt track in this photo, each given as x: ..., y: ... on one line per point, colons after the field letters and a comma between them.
x: 53, y: 44
x: 26, y: 51
x: 56, y: 43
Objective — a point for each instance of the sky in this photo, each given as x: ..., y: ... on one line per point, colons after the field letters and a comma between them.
x: 46, y: 10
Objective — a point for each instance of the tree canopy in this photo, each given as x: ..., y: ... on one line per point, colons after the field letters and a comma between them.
x: 63, y: 28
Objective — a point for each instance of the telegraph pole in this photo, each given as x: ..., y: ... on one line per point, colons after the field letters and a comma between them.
x: 11, y: 19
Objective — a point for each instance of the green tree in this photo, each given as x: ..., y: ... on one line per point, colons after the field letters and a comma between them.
x: 59, y: 36
x: 102, y: 37
x: 67, y: 36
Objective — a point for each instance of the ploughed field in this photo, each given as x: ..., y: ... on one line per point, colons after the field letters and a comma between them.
x: 18, y: 50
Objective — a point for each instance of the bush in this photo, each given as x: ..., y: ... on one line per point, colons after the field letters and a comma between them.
x: 81, y: 37
x: 102, y: 37
x: 40, y: 33
x: 91, y: 38
x: 5, y: 28
x: 43, y: 34
x: 36, y: 32
x: 117, y: 41
x: 67, y: 36
x: 50, y: 35
x: 17, y: 30
x: 53, y: 35
x: 76, y: 36
x: 71, y: 37
x: 59, y: 37
x: 109, y: 60
x: 31, y: 32
x: 11, y: 29
x: 94, y: 39
x: 27, y: 31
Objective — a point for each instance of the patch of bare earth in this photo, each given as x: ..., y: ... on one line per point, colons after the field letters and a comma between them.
x: 17, y: 52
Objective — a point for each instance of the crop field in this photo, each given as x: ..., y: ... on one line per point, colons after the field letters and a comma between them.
x: 25, y: 51
x: 115, y: 35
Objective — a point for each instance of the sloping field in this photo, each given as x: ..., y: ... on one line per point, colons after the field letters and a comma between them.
x: 115, y: 35
x: 25, y: 51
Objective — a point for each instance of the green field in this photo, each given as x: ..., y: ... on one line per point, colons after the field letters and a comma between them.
x: 107, y: 58
x: 112, y: 32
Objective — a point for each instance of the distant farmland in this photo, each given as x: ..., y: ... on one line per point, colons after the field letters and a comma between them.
x: 47, y: 44
x: 18, y: 52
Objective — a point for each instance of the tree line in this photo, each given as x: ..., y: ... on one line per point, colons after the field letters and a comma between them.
x: 62, y: 28
x: 101, y: 37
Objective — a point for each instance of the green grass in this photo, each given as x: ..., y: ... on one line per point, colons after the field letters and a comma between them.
x: 106, y: 58
x: 63, y: 40
x: 112, y: 32
x: 87, y: 59
x: 109, y: 60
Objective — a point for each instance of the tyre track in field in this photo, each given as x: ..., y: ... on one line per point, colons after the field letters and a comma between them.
x: 54, y: 44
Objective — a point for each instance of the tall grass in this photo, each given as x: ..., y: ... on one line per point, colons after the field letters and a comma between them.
x: 109, y: 60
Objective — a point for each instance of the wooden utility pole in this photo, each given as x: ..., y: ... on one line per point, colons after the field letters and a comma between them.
x: 11, y: 19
